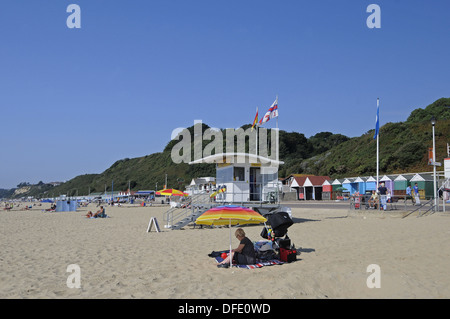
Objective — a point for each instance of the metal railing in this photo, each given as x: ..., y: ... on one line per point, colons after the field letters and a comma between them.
x: 421, y: 206
x: 250, y: 193
x: 432, y: 207
x: 190, y: 207
x: 365, y: 202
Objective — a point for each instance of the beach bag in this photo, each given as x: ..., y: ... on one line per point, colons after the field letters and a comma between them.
x: 284, y: 243
x: 266, y: 255
x: 266, y: 252
x: 288, y: 255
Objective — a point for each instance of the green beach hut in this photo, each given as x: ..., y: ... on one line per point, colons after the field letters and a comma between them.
x: 401, y: 182
x: 425, y: 184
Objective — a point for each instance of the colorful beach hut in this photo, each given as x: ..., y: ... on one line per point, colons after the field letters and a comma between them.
x: 388, y: 181
x: 313, y: 187
x: 297, y: 183
x: 401, y: 182
x: 371, y: 184
x: 327, y: 190
x: 360, y: 185
x: 336, y: 183
x: 310, y: 187
x: 350, y: 185
x: 336, y: 189
x: 425, y: 184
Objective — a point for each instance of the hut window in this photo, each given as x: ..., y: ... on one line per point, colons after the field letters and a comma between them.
x: 224, y: 175
x: 239, y: 174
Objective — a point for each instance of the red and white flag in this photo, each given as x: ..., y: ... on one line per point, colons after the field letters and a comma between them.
x: 271, y: 113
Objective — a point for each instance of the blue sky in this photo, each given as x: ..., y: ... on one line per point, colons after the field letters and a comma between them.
x: 73, y: 101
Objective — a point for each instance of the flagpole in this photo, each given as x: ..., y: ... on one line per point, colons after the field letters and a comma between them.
x: 257, y: 129
x: 256, y: 140
x: 378, y: 152
x: 277, y: 132
x: 277, y: 112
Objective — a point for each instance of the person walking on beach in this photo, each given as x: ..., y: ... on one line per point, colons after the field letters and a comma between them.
x: 416, y: 194
x: 409, y: 195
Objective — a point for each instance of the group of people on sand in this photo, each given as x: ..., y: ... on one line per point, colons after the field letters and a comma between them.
x: 10, y: 206
x: 411, y: 193
x: 99, y: 214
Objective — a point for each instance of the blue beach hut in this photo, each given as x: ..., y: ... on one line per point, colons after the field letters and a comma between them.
x: 350, y: 185
x: 371, y: 184
x: 360, y: 185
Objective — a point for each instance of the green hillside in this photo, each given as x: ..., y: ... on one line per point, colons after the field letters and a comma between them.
x: 145, y: 172
x: 403, y: 148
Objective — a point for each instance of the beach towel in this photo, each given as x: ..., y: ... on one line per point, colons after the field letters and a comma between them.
x: 259, y: 263
x: 99, y: 217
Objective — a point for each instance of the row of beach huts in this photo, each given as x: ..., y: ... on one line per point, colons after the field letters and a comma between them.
x: 310, y: 187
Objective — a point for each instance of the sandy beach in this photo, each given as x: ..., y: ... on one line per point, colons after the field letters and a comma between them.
x: 118, y: 258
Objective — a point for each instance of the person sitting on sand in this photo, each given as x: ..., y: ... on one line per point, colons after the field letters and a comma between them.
x: 99, y: 214
x: 244, y: 254
x: 51, y: 209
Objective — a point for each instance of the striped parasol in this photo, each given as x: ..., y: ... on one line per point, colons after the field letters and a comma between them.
x: 171, y: 192
x: 230, y: 215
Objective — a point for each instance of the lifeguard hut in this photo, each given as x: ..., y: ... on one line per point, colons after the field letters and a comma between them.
x: 247, y: 179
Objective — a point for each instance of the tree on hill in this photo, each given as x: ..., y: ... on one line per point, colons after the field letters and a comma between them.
x: 440, y: 109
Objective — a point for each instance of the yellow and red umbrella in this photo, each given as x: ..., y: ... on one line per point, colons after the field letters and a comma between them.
x: 230, y: 215
x: 171, y: 192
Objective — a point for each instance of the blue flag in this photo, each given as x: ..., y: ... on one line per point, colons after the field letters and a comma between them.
x: 377, y: 125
